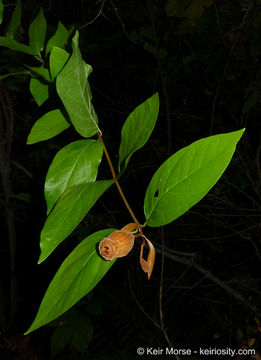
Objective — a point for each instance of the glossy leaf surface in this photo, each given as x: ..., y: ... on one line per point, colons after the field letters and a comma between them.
x: 39, y: 91
x: 68, y: 212
x: 74, y: 164
x: 14, y: 45
x: 48, y: 126
x: 73, y: 88
x: 137, y: 129
x: 78, y: 275
x: 37, y: 32
x: 40, y: 71
x: 187, y: 176
x: 59, y: 39
x: 58, y: 58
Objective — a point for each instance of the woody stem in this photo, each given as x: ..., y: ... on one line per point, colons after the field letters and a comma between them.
x: 117, y: 183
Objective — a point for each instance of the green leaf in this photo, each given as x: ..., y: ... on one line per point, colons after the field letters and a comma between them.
x: 37, y: 32
x: 14, y: 45
x: 40, y: 71
x: 77, y: 276
x: 26, y: 197
x: 137, y: 129
x: 24, y: 72
x: 187, y: 176
x: 68, y: 212
x: 58, y: 58
x: 48, y: 126
x: 1, y: 11
x: 74, y: 164
x: 59, y: 39
x: 73, y: 88
x: 39, y: 91
x: 15, y: 21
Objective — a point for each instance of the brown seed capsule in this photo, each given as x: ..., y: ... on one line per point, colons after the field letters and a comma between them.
x: 116, y: 245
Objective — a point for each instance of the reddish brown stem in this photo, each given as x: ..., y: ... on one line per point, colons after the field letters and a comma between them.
x: 117, y: 183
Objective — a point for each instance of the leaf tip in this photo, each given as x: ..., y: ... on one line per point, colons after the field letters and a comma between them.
x: 30, y: 329
x: 156, y: 96
x: 41, y: 258
x: 28, y: 141
x: 75, y: 39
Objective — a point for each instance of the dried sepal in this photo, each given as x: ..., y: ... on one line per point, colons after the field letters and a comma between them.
x: 147, y: 265
x: 130, y: 227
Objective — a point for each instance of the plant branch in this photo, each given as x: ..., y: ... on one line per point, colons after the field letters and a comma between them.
x: 161, y: 74
x: 141, y: 307
x: 213, y: 110
x: 117, y: 183
x: 161, y: 291
x: 191, y: 263
x: 96, y: 16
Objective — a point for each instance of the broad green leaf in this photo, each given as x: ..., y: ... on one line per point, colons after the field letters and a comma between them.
x: 58, y: 58
x: 77, y: 276
x: 73, y: 88
x: 15, y: 21
x: 14, y: 45
x: 48, y: 126
x: 39, y: 91
x: 40, y: 71
x: 187, y: 176
x: 68, y: 212
x: 74, y: 164
x: 1, y: 11
x: 37, y: 32
x: 137, y: 129
x: 59, y: 39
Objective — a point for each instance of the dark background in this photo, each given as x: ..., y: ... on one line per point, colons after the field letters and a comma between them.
x: 203, y: 58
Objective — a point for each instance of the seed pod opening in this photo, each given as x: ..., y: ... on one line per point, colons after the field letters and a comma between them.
x: 118, y: 244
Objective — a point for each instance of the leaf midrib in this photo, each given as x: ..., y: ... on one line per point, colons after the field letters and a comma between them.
x: 81, y: 90
x: 53, y: 238
x: 69, y: 284
x: 167, y: 190
x: 76, y: 162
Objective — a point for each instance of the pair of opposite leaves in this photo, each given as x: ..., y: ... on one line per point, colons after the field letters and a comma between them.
x: 119, y: 243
